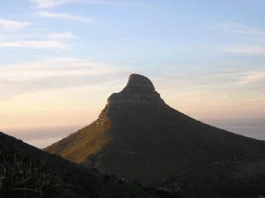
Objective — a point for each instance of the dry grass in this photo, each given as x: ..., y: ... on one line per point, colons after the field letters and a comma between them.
x: 22, y: 177
x: 78, y: 146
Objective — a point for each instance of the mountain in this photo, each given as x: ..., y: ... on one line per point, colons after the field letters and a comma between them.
x: 139, y: 137
x: 23, y: 168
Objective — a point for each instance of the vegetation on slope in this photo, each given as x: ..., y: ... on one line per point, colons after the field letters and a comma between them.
x: 24, y: 177
x: 26, y: 171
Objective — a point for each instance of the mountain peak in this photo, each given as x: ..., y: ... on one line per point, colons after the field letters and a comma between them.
x: 139, y: 90
x: 139, y: 83
x: 138, y: 137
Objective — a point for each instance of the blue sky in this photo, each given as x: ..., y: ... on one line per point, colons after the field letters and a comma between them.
x: 61, y: 59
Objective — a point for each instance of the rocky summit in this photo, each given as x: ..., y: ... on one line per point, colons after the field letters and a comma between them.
x: 139, y: 90
x: 137, y: 136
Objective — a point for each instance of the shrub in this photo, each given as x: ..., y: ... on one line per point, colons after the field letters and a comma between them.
x: 22, y: 177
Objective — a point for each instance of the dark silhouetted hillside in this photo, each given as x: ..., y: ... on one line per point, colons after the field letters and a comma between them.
x: 139, y: 137
x: 26, y: 171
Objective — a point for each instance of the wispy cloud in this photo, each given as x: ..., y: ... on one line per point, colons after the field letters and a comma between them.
x: 246, y: 50
x: 49, y: 3
x: 9, y: 25
x: 38, y: 41
x: 253, y: 36
x: 62, y: 36
x: 41, y: 36
x: 36, y: 44
x: 251, y: 77
x: 53, y: 3
x: 63, y: 16
x: 226, y: 79
x: 223, y: 78
x: 52, y: 68
x: 55, y: 74
x: 240, y: 29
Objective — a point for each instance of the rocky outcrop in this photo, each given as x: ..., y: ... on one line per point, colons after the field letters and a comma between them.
x: 139, y: 90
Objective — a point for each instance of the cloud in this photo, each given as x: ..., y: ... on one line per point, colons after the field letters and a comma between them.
x: 39, y: 41
x: 246, y: 50
x: 252, y: 77
x: 253, y: 34
x: 223, y: 77
x: 45, y: 35
x: 35, y: 44
x: 49, y: 3
x: 62, y: 36
x: 222, y: 80
x: 63, y: 16
x: 240, y: 29
x: 9, y: 25
x: 55, y: 68
x: 55, y: 74
x: 54, y: 3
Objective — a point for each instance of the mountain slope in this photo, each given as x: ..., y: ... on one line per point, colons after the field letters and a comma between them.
x: 137, y: 136
x: 82, y: 181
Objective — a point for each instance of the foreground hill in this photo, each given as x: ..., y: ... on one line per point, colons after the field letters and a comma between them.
x: 139, y: 137
x: 24, y: 168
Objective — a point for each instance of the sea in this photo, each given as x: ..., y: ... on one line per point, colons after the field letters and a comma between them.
x: 45, y: 136
x: 257, y: 132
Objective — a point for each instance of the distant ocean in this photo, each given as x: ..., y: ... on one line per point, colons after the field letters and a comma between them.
x: 257, y: 132
x: 43, y: 137
x: 249, y: 128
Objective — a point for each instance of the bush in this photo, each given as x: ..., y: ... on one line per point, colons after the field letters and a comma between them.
x: 22, y: 177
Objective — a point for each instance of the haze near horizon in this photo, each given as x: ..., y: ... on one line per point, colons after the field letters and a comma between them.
x: 61, y: 59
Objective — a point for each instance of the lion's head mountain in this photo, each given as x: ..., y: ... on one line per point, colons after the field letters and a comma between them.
x: 139, y: 137
x: 141, y: 147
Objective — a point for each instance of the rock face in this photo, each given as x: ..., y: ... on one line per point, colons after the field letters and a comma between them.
x: 139, y: 83
x: 139, y: 137
x: 139, y: 90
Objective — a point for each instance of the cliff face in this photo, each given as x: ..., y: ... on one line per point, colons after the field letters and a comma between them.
x: 139, y: 137
x: 139, y: 90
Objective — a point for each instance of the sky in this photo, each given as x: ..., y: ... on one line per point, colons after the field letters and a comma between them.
x: 61, y: 59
